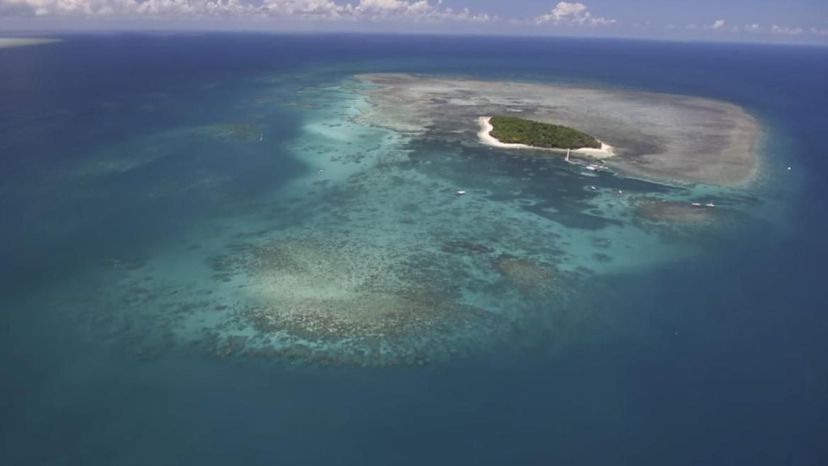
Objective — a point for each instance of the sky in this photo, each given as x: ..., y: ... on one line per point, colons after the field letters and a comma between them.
x: 791, y: 21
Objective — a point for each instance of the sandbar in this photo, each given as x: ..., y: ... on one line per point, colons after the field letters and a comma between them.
x: 8, y: 42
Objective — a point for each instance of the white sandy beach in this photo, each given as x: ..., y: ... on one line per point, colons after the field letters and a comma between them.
x: 486, y: 138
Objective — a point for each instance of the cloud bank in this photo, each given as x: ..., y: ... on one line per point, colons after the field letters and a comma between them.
x: 564, y: 17
x: 371, y: 10
x: 572, y: 14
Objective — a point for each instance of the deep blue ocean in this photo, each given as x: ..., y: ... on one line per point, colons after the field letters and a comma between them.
x: 719, y: 358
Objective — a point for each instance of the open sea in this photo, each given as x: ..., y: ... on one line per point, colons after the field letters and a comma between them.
x: 182, y: 214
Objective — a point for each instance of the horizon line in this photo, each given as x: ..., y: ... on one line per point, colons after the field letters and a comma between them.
x: 19, y: 33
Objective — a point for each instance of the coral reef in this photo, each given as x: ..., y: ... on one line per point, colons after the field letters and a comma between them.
x: 674, y: 212
x: 346, y: 303
x: 526, y: 275
x: 233, y: 132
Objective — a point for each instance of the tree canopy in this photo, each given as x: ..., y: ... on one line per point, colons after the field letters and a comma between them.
x: 515, y: 130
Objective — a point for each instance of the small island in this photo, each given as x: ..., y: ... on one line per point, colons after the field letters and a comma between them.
x: 667, y: 138
x: 508, y: 132
x: 514, y: 130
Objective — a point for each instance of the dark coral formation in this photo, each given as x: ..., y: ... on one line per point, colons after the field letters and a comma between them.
x: 526, y: 275
x: 234, y: 132
x: 465, y: 247
x: 345, y: 304
x: 674, y: 212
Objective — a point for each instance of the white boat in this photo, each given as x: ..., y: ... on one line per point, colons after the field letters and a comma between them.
x: 595, y: 167
x: 710, y: 204
x: 461, y: 192
x: 696, y: 204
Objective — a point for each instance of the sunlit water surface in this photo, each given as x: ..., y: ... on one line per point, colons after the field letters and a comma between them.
x: 209, y: 257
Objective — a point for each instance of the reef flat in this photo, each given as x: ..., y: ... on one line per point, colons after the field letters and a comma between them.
x: 662, y: 137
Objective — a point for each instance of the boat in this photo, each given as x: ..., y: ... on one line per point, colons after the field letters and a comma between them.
x: 461, y: 192
x: 595, y: 167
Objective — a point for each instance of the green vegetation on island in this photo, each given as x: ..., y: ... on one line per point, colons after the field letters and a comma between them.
x: 513, y: 130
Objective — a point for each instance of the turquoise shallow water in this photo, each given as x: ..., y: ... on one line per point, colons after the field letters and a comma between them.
x: 218, y: 260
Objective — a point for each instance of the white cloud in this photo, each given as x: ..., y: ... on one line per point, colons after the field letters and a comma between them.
x: 786, y: 30
x: 721, y: 25
x: 393, y: 10
x: 423, y: 12
x: 304, y: 8
x: 565, y: 10
x: 128, y: 7
x: 574, y: 14
x: 419, y: 10
x: 718, y: 24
